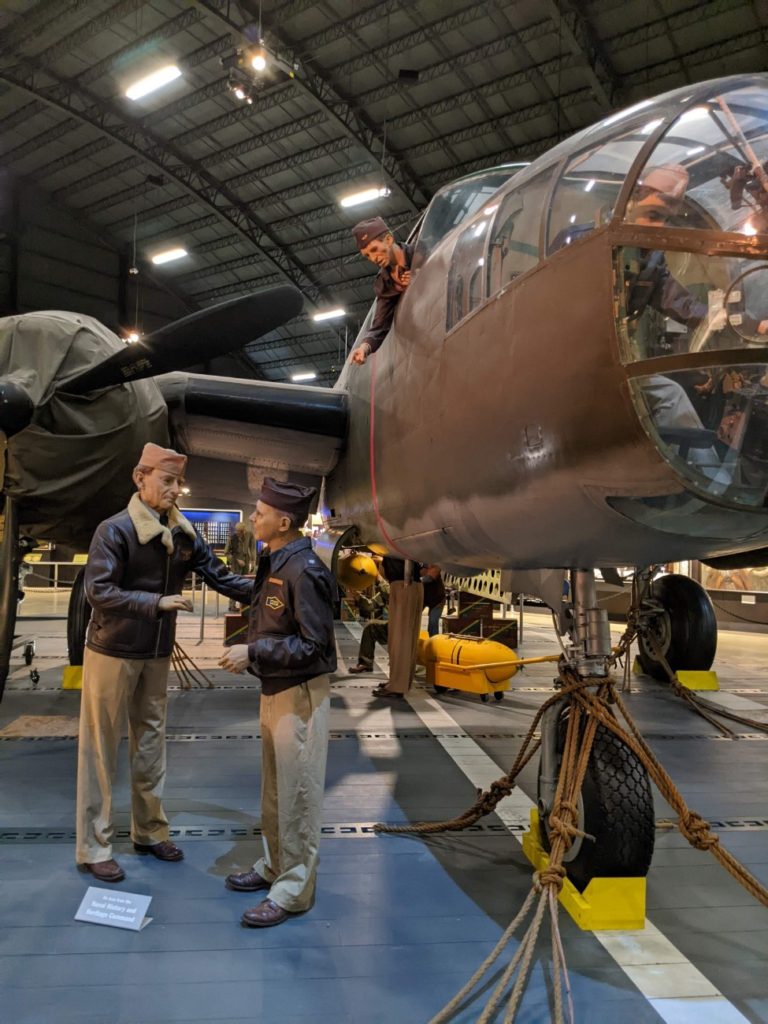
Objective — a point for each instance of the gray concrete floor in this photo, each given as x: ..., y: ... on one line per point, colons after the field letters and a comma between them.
x: 400, y: 922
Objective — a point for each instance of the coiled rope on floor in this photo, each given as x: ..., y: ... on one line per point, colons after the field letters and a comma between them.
x: 591, y: 701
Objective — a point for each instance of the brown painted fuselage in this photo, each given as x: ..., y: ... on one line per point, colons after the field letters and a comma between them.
x: 533, y: 424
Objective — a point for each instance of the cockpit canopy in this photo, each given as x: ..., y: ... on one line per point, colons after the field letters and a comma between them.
x: 715, y: 136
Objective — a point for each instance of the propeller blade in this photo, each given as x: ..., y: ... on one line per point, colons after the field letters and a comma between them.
x: 196, y: 338
x: 16, y: 408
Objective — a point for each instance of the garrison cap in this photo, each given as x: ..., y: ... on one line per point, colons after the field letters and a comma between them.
x: 287, y: 497
x: 165, y: 459
x: 367, y: 230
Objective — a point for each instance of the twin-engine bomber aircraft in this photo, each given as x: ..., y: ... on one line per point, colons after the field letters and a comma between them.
x: 577, y: 377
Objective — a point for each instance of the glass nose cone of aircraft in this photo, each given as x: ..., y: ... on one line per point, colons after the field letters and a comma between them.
x: 694, y: 323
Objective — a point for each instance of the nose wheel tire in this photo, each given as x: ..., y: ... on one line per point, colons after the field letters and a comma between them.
x: 616, y: 807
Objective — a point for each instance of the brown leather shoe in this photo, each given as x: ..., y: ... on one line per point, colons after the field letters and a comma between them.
x: 264, y: 915
x: 163, y: 851
x: 359, y: 667
x: 105, y: 870
x: 382, y: 691
x: 246, y: 881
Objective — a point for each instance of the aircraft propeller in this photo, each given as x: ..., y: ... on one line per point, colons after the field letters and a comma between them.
x: 196, y: 338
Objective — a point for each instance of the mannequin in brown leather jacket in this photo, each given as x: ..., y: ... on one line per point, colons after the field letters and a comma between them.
x: 136, y: 567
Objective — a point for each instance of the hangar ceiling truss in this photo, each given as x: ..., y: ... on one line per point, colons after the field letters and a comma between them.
x: 252, y: 189
x: 89, y: 109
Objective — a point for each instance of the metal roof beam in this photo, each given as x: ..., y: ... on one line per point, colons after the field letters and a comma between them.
x: 70, y: 98
x: 346, y: 118
x: 28, y: 24
x: 574, y: 28
x: 170, y: 28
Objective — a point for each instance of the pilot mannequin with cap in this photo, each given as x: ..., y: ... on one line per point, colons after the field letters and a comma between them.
x: 376, y: 242
x: 292, y: 649
x: 656, y: 200
x: 137, y: 563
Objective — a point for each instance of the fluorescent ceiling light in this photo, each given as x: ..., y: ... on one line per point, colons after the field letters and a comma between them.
x: 590, y: 185
x: 695, y: 150
x: 154, y: 81
x: 369, y: 194
x: 329, y: 314
x: 168, y: 255
x: 297, y: 377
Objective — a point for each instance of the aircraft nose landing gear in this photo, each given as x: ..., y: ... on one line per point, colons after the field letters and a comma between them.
x: 615, y: 824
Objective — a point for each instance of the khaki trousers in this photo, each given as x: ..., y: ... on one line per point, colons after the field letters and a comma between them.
x: 406, y: 601
x: 112, y: 689
x: 294, y: 750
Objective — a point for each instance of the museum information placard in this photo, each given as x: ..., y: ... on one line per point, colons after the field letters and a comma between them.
x: 114, y: 909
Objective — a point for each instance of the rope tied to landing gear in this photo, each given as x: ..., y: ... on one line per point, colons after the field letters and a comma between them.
x: 638, y: 627
x: 696, y: 831
x: 591, y: 703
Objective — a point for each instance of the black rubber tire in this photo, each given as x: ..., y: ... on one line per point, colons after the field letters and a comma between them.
x: 441, y: 689
x: 78, y: 614
x: 618, y: 811
x: 484, y: 697
x: 498, y: 694
x: 686, y: 631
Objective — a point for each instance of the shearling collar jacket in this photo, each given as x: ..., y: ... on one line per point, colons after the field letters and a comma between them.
x: 134, y: 561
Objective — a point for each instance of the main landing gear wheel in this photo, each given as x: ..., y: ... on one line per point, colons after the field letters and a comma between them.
x: 78, y: 614
x: 615, y: 806
x: 684, y: 630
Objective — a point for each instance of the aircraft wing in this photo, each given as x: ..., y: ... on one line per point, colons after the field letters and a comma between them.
x: 236, y: 432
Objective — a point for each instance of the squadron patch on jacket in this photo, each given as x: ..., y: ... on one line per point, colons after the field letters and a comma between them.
x: 274, y: 603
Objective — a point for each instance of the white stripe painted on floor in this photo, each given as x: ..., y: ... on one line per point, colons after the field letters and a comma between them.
x: 677, y: 990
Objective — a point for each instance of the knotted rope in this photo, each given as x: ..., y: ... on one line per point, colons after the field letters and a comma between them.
x: 591, y: 703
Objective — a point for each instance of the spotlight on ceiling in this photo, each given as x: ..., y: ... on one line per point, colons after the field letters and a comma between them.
x: 261, y: 59
x: 366, y: 196
x: 169, y: 254
x: 297, y: 378
x: 132, y: 337
x: 329, y: 314
x: 156, y: 80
